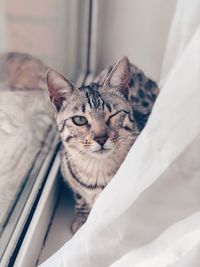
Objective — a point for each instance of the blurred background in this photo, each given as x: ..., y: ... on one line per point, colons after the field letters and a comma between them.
x: 51, y: 30
x: 55, y: 31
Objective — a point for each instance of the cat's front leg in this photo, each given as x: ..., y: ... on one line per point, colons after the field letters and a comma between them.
x: 82, y: 211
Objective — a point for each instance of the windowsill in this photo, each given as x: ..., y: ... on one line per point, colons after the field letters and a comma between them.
x: 59, y: 232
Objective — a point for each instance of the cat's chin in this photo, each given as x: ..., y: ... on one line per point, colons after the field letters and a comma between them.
x: 102, y: 153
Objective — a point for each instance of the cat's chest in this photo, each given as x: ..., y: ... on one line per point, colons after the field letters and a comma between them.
x: 93, y: 171
x: 88, y: 172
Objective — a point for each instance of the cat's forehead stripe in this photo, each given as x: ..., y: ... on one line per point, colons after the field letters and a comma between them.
x: 94, y: 98
x: 83, y: 108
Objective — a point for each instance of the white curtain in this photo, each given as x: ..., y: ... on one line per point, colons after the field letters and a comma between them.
x: 149, y: 215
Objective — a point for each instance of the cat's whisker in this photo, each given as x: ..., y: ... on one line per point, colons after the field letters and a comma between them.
x: 126, y: 138
x: 74, y: 142
x: 120, y: 141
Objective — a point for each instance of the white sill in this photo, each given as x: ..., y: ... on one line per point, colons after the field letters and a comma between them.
x: 59, y: 231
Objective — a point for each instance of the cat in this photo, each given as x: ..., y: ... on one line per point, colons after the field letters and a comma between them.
x: 98, y: 124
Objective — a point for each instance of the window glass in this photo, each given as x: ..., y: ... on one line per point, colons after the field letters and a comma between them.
x: 34, y: 36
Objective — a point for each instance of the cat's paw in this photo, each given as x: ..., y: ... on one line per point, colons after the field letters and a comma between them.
x: 78, y: 221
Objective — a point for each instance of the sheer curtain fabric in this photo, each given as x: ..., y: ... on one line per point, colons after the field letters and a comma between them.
x: 149, y: 214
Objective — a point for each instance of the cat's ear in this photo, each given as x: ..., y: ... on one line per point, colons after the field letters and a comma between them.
x: 59, y: 88
x: 119, y: 77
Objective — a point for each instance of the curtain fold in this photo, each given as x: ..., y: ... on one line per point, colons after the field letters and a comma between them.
x: 184, y: 25
x: 179, y: 240
x: 149, y: 214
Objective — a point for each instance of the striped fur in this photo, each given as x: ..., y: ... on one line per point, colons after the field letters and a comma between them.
x: 112, y: 112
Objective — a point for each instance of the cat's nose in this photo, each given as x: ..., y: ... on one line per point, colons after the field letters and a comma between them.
x: 101, y: 139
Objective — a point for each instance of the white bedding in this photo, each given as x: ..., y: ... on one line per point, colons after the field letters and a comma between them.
x: 25, y: 119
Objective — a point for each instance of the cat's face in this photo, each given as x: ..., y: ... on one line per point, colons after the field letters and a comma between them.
x: 95, y: 120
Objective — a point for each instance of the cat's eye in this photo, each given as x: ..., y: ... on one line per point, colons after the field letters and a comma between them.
x: 117, y: 115
x: 79, y: 120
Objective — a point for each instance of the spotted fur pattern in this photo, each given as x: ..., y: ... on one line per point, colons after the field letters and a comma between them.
x: 98, y: 124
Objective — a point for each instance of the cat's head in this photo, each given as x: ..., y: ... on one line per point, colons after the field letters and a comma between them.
x: 96, y: 120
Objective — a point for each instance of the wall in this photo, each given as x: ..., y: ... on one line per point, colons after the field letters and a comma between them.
x: 37, y: 28
x: 136, y: 28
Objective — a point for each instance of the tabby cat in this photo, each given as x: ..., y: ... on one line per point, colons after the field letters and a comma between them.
x: 98, y: 124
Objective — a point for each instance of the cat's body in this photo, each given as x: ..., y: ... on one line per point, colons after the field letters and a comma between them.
x: 98, y: 124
